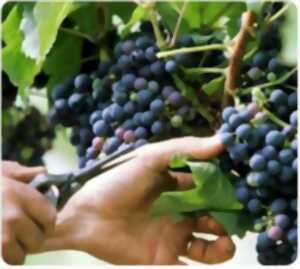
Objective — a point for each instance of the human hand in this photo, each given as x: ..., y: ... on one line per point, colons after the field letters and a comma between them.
x: 109, y: 217
x: 27, y: 215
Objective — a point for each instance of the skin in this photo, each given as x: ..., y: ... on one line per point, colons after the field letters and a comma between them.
x: 27, y: 215
x: 109, y: 217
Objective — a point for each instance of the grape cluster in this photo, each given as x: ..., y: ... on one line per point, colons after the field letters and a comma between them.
x: 264, y: 155
x: 128, y: 99
x: 26, y: 135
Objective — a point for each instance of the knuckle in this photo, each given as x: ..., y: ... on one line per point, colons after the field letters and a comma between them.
x: 12, y: 217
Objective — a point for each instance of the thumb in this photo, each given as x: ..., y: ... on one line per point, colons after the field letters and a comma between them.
x: 19, y: 172
x: 193, y: 147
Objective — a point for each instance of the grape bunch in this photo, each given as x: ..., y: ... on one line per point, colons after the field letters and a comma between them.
x: 130, y: 98
x: 26, y: 135
x: 264, y: 155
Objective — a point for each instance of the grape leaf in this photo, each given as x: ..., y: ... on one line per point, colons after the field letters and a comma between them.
x: 289, y: 36
x: 122, y: 9
x: 89, y: 19
x: 255, y: 5
x: 140, y: 13
x: 234, y: 223
x: 48, y: 17
x: 66, y: 49
x: 20, y: 69
x: 213, y: 192
x: 170, y: 16
x: 215, y: 85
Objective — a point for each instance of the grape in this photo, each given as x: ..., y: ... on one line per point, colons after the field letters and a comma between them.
x: 59, y: 91
x: 137, y: 118
x: 286, y: 156
x: 238, y: 152
x: 294, y: 204
x: 82, y: 83
x: 144, y: 42
x: 97, y: 143
x: 111, y: 145
x: 120, y: 98
x: 264, y: 129
x: 100, y: 128
x: 129, y: 136
x: 130, y: 108
x: 227, y: 139
x: 274, y: 167
x: 171, y: 66
x: 157, y: 106
x: 140, y: 83
x: 140, y: 143
x: 275, y: 233
x: 61, y: 106
x: 157, y: 68
x: 116, y: 112
x: 244, y: 131
x: 151, y: 53
x: 254, y: 206
x: 147, y: 118
x: 243, y: 195
x: 292, y: 236
x: 279, y: 206
x: 86, y: 136
x: 269, y: 153
x: 255, y: 73
x: 274, y: 138
x: 76, y: 101
x: 293, y: 119
x: 235, y: 120
x: 257, y: 162
x: 153, y: 86
x: 106, y: 115
x: 176, y: 121
x: 279, y: 97
x: 157, y: 128
x: 141, y: 132
x: 262, y: 178
x: 167, y: 91
x: 128, y: 80
x: 282, y: 221
x: 186, y: 41
x: 128, y: 46
x: 261, y: 59
x: 225, y: 128
x: 264, y: 241
x: 295, y: 165
x: 227, y: 112
x: 292, y: 100
x: 274, y: 66
x: 287, y: 174
x: 144, y: 97
x: 129, y: 124
x: 145, y: 71
x: 252, y: 179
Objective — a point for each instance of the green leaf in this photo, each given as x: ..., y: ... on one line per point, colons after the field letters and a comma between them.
x: 20, y: 69
x: 234, y: 223
x: 191, y: 95
x: 215, y: 85
x: 170, y: 16
x: 213, y: 192
x: 89, y: 19
x: 64, y: 59
x: 289, y: 36
x: 178, y: 161
x: 122, y: 9
x: 255, y: 6
x: 140, y: 13
x: 48, y: 17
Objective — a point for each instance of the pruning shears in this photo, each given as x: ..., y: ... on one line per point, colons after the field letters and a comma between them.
x: 59, y: 188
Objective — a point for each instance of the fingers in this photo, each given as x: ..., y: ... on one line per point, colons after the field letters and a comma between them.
x: 12, y: 251
x: 28, y: 234
x: 197, y: 148
x: 184, y: 180
x: 39, y: 209
x: 212, y: 252
x: 19, y: 172
x: 209, y: 225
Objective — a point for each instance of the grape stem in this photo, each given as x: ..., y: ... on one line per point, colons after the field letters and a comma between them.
x: 238, y: 51
x: 269, y: 84
x: 77, y: 34
x: 203, y: 70
x: 158, y: 35
x: 275, y: 119
x: 90, y: 58
x: 279, y: 13
x: 169, y: 53
x: 178, y: 23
